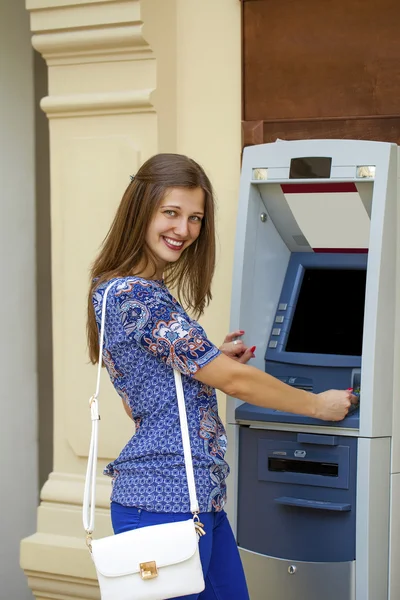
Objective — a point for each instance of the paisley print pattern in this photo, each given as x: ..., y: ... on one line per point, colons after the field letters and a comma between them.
x: 146, y: 333
x: 109, y: 363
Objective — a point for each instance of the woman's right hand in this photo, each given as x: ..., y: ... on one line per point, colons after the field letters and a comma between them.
x: 334, y: 405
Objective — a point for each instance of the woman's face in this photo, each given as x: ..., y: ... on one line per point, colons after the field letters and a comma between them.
x: 175, y: 225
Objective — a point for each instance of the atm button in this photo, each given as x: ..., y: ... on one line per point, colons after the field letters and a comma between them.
x: 279, y: 319
x: 272, y: 344
x: 276, y: 331
x: 282, y: 307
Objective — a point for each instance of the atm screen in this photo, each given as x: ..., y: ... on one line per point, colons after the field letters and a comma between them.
x: 329, y: 314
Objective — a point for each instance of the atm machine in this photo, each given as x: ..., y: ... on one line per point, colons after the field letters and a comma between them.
x: 316, y: 505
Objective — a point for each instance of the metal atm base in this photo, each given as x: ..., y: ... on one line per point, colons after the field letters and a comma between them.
x: 271, y: 578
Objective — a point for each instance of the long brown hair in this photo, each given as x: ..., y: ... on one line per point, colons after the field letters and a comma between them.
x: 125, y: 248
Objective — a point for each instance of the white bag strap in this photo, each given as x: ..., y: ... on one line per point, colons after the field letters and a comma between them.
x: 187, y: 452
x: 89, y: 496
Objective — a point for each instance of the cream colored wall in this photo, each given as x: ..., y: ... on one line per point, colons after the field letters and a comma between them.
x: 205, y: 66
x: 209, y: 127
x: 118, y: 93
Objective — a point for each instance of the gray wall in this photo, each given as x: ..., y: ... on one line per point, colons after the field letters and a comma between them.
x: 43, y: 275
x: 18, y: 373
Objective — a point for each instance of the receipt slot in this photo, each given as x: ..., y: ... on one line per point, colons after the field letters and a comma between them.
x: 315, y: 504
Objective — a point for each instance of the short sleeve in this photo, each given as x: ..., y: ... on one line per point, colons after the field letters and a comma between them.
x: 161, y: 327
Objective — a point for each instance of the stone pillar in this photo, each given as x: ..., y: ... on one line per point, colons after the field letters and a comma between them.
x: 127, y: 79
x: 102, y: 126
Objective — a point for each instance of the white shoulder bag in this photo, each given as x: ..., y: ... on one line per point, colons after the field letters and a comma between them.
x: 152, y: 563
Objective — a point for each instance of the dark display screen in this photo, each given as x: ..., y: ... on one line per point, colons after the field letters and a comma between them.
x: 329, y: 314
x: 310, y: 167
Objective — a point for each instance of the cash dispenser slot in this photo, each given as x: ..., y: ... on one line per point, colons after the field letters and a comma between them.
x: 303, y: 463
x: 309, y: 467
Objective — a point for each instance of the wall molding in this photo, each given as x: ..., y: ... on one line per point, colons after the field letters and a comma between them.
x: 49, y: 4
x: 59, y: 567
x: 44, y: 586
x: 79, y: 46
x: 66, y: 488
x: 107, y: 103
x: 61, y: 16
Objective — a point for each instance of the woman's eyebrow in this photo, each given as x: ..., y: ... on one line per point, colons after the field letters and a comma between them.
x: 179, y: 208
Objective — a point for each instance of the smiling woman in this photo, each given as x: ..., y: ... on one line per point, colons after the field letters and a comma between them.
x: 163, y: 233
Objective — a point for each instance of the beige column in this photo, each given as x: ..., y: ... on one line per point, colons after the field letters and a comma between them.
x: 209, y: 127
x: 127, y: 79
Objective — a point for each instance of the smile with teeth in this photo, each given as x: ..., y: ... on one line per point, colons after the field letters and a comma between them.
x: 175, y: 244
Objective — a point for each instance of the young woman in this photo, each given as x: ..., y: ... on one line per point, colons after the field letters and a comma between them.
x: 163, y: 235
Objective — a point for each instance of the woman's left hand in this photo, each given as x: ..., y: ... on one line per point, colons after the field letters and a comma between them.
x: 236, y: 349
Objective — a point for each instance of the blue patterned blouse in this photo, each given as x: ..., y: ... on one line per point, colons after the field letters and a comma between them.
x: 146, y: 333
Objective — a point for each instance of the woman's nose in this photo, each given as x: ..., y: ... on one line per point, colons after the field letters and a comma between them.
x: 182, y: 228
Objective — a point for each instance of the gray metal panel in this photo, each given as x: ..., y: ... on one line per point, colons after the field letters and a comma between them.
x: 373, y: 518
x: 327, y: 430
x: 269, y: 577
x: 396, y: 358
x: 378, y: 338
x: 394, y: 554
x: 282, y: 217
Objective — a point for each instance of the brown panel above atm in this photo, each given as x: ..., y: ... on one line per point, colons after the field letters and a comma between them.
x: 315, y: 69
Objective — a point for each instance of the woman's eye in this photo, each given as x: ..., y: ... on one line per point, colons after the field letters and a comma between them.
x: 196, y: 218
x: 170, y: 213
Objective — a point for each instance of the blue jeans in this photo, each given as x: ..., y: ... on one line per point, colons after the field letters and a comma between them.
x: 222, y: 568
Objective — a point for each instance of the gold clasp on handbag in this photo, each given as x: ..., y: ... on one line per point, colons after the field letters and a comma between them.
x: 199, y: 527
x: 148, y: 570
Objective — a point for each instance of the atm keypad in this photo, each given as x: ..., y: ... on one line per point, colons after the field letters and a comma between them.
x: 276, y: 331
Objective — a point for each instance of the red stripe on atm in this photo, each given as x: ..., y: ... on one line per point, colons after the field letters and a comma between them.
x: 342, y: 250
x: 318, y: 188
